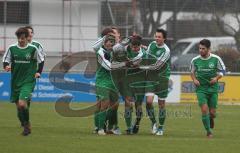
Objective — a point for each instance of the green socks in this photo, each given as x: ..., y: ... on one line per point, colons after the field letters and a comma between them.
x: 150, y: 112
x: 139, y: 114
x: 206, y: 122
x: 113, y: 121
x: 162, y: 117
x: 23, y: 115
x: 96, y: 119
x: 101, y: 119
x: 109, y: 119
x: 20, y: 116
x: 26, y: 115
x: 109, y: 116
x: 128, y: 117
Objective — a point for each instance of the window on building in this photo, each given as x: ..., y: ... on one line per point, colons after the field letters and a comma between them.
x: 17, y: 12
x: 1, y: 12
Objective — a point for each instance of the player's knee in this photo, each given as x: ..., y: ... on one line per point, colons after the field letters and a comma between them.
x: 104, y: 105
x: 127, y: 104
x: 21, y: 104
x: 149, y: 101
x: 129, y: 99
x: 212, y: 114
x: 114, y: 105
x: 161, y: 103
x: 204, y: 108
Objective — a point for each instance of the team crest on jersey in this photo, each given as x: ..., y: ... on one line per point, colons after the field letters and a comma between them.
x: 211, y: 65
x: 28, y: 56
x: 158, y: 52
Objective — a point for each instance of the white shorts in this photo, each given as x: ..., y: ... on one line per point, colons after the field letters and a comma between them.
x: 152, y: 94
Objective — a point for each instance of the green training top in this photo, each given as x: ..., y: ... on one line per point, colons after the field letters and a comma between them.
x: 205, y: 69
x: 162, y: 56
x: 23, y: 61
x: 103, y: 75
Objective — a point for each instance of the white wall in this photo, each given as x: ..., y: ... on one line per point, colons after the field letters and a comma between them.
x: 46, y: 13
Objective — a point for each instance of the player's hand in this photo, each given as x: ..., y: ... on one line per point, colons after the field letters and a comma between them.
x: 129, y: 63
x: 196, y: 82
x: 37, y: 75
x: 7, y: 68
x: 213, y: 80
x: 145, y: 47
x: 135, y: 65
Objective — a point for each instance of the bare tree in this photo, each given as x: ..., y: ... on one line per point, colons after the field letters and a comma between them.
x: 152, y: 13
x: 228, y: 19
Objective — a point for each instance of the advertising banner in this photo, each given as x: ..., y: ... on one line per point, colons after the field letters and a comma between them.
x: 229, y: 89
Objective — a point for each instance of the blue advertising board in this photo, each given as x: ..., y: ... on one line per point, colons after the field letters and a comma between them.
x: 45, y: 91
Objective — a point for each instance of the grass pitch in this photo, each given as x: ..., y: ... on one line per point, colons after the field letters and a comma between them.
x: 52, y: 133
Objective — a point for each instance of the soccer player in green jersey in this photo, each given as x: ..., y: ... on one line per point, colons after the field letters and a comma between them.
x: 96, y: 46
x: 22, y: 59
x: 34, y: 42
x: 206, y: 69
x: 135, y: 52
x: 113, y: 112
x: 105, y: 89
x: 157, y: 77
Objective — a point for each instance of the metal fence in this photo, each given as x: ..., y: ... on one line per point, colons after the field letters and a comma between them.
x: 69, y: 26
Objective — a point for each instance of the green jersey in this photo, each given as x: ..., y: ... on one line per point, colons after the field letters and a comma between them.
x: 136, y: 77
x: 205, y: 69
x: 136, y: 58
x: 103, y: 75
x: 23, y: 62
x: 119, y: 55
x: 162, y: 56
x: 39, y: 47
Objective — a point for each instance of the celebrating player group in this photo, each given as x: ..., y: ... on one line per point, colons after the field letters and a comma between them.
x: 125, y: 67
x: 129, y: 69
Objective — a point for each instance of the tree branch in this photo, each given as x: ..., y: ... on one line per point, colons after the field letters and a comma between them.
x: 237, y: 17
x: 221, y: 25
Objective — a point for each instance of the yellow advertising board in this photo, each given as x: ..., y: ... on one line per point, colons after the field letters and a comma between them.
x: 229, y: 89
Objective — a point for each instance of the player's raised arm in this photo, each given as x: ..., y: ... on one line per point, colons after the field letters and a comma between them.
x: 99, y: 43
x: 7, y: 60
x: 104, y: 54
x: 121, y: 47
x: 102, y: 59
